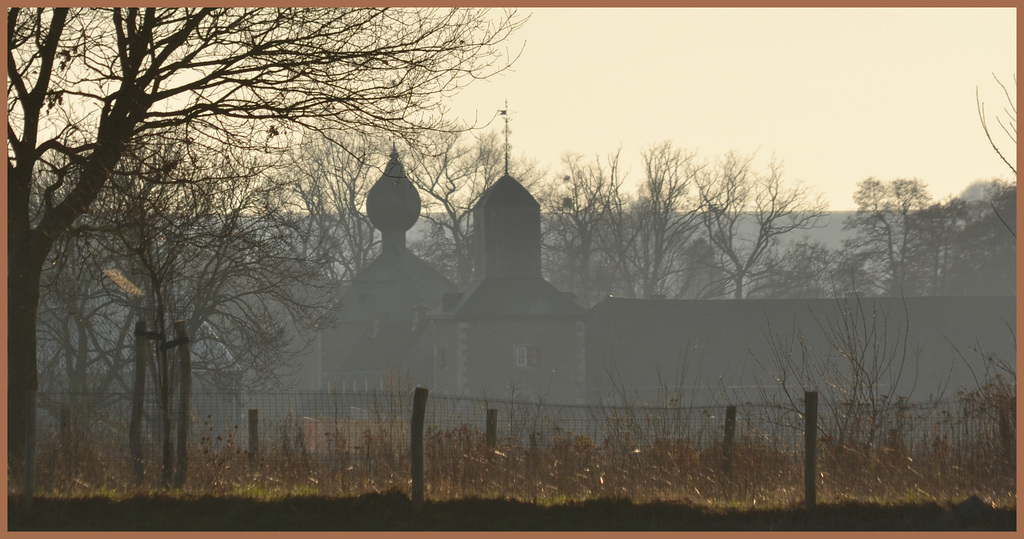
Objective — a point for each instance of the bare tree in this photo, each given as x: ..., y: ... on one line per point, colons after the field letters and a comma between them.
x: 942, y: 226
x: 575, y: 208
x: 210, y: 240
x: 861, y: 366
x: 185, y: 229
x: 329, y: 183
x: 1007, y: 124
x: 83, y: 83
x: 85, y: 337
x: 666, y: 216
x: 648, y: 237
x: 804, y: 269
x: 985, y: 256
x: 744, y: 213
x: 887, y: 230
x: 452, y: 175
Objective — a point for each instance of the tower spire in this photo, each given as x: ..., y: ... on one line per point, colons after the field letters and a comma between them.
x: 508, y: 147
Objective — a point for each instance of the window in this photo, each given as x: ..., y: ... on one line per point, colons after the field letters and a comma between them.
x: 527, y: 356
x: 521, y: 355
x: 440, y: 357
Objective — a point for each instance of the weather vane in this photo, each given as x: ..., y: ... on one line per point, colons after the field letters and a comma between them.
x: 508, y: 147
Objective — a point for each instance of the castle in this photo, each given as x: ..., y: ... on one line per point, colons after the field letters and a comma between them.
x: 510, y: 334
x: 507, y: 332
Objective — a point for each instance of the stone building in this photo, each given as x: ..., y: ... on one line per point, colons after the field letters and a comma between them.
x: 509, y: 333
x: 380, y: 327
x: 738, y: 351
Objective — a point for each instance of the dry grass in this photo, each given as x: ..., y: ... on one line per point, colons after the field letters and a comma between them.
x: 942, y: 465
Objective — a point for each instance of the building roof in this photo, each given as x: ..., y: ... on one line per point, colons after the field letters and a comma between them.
x: 394, y: 283
x: 497, y: 297
x: 506, y: 192
x: 645, y: 346
x: 508, y: 281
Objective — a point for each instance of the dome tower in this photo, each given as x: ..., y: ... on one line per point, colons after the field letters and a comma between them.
x: 393, y: 205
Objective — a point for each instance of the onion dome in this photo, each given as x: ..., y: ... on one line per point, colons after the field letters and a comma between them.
x: 393, y: 203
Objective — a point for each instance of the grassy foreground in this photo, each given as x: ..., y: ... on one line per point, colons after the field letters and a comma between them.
x: 393, y: 511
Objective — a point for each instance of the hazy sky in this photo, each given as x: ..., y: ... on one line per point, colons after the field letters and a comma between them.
x: 837, y: 94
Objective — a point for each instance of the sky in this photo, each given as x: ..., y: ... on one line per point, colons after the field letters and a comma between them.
x: 836, y: 95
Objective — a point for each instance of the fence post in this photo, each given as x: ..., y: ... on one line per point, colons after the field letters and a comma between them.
x: 419, y: 409
x: 1006, y: 437
x: 29, y: 489
x: 164, y: 389
x: 810, y: 448
x: 65, y: 423
x: 254, y: 431
x: 492, y: 427
x: 65, y: 427
x: 138, y: 398
x: 730, y: 434
x: 184, y: 396
x: 533, y: 455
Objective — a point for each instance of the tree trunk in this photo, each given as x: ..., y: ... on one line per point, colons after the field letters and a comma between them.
x: 24, y: 271
x: 738, y: 292
x: 28, y: 248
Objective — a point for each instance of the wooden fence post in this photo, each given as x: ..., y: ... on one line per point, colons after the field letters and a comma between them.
x: 254, y: 431
x: 65, y: 440
x: 164, y: 387
x: 29, y: 490
x: 65, y: 424
x: 138, y: 399
x: 419, y: 409
x: 184, y: 396
x: 730, y: 434
x: 810, y: 448
x: 1006, y: 437
x: 533, y: 456
x: 492, y: 427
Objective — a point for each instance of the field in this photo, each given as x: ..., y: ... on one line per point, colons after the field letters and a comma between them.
x: 538, y: 468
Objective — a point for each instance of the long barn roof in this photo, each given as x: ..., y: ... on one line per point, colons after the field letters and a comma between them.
x: 646, y: 346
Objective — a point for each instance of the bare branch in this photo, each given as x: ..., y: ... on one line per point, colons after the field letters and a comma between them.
x: 1010, y: 128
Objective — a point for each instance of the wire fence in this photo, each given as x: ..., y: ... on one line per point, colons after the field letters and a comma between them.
x: 354, y: 443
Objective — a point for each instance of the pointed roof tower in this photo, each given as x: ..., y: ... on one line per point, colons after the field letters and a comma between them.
x: 507, y: 280
x: 507, y: 227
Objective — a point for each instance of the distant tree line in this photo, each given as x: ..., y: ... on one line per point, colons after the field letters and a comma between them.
x: 692, y: 228
x: 907, y: 243
x: 254, y: 252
